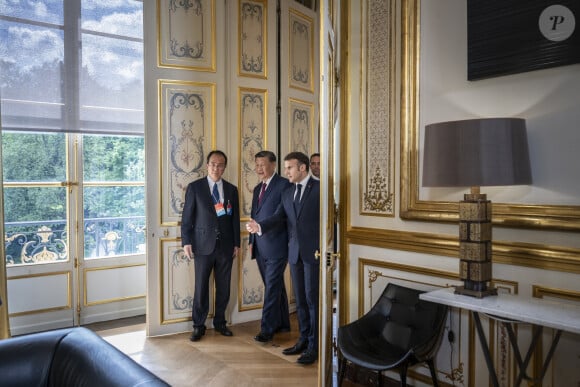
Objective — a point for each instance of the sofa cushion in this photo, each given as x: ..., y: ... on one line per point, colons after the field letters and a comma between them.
x: 26, y: 360
x: 69, y: 357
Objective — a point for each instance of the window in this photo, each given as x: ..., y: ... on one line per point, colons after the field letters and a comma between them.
x: 71, y: 90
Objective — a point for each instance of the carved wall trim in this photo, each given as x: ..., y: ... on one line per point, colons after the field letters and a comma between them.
x: 186, y: 134
x: 253, y: 38
x: 186, y: 34
x: 379, y: 94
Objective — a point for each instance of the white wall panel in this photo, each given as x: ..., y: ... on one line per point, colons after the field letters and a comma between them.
x: 114, y: 284
x: 52, y: 291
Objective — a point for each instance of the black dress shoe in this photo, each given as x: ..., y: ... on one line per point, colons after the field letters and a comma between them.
x: 263, y: 337
x: 223, y: 330
x: 299, y: 347
x: 197, y: 333
x: 308, y: 357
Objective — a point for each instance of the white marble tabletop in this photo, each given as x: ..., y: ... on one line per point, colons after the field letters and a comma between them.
x: 547, y: 313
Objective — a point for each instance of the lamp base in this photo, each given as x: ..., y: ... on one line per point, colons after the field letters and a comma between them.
x: 475, y: 293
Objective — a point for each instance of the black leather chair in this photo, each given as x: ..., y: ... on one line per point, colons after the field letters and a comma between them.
x: 398, y: 332
x: 69, y: 357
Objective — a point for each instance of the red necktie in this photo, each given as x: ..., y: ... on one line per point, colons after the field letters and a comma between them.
x: 261, y: 193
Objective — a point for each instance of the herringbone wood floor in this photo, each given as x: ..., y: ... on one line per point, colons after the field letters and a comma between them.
x: 215, y: 360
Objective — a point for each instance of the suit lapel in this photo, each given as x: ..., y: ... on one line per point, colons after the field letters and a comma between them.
x: 269, y: 188
x: 207, y: 195
x: 226, y: 192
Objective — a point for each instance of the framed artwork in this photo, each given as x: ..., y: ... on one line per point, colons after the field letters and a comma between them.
x: 186, y: 133
x: 509, y: 37
x: 253, y: 38
x: 187, y: 34
x: 301, y: 56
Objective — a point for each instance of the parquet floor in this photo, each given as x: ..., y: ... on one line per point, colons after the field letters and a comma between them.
x: 215, y: 360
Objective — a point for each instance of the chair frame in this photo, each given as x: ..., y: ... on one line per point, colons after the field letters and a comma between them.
x: 423, y: 352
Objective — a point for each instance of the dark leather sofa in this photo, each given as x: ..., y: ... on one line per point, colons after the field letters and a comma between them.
x: 69, y: 357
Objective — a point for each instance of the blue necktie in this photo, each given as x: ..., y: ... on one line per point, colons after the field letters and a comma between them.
x: 297, y: 197
x: 215, y: 194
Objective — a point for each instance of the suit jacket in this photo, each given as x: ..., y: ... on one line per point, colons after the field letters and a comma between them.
x: 303, y: 225
x: 199, y: 222
x: 274, y: 243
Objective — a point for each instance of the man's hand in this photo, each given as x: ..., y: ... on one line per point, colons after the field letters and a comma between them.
x: 236, y: 252
x: 252, y: 226
x: 187, y: 251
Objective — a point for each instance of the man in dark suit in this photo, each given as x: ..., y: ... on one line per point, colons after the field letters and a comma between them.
x: 315, y: 166
x: 300, y: 207
x: 210, y: 233
x: 270, y: 249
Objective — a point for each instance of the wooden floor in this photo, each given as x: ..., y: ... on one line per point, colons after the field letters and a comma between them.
x: 215, y: 360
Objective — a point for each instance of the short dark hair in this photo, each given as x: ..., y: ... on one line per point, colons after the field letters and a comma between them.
x: 267, y: 154
x: 314, y: 155
x: 301, y: 157
x: 217, y: 152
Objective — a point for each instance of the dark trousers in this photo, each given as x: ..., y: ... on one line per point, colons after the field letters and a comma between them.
x: 221, y: 264
x: 305, y: 280
x: 275, y: 314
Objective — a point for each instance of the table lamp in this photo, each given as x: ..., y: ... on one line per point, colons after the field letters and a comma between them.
x: 474, y: 153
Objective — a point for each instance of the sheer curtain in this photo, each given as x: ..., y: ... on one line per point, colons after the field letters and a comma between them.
x: 74, y: 68
x: 67, y: 67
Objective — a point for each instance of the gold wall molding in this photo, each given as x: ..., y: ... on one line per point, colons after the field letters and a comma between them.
x: 251, y: 289
x: 378, y: 69
x: 187, y: 130
x: 301, y: 46
x: 539, y: 291
x: 536, y: 256
x: 253, y: 135
x: 68, y: 305
x: 546, y: 216
x: 301, y: 125
x: 186, y: 35
x: 177, y: 282
x: 253, y: 38
x: 107, y: 301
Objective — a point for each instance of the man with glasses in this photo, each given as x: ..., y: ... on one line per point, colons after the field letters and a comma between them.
x: 210, y: 234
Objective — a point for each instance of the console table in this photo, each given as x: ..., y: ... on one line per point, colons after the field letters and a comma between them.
x: 509, y: 309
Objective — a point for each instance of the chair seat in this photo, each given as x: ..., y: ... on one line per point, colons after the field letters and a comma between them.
x: 374, y: 353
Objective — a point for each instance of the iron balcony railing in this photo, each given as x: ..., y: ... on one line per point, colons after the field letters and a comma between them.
x: 47, y: 241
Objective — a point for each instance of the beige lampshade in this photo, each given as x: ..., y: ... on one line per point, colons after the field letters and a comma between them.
x: 476, y: 152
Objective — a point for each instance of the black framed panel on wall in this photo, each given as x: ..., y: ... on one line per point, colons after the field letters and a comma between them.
x: 515, y: 36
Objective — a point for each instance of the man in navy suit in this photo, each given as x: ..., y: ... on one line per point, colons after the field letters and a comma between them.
x: 210, y: 234
x: 301, y: 208
x: 270, y: 249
